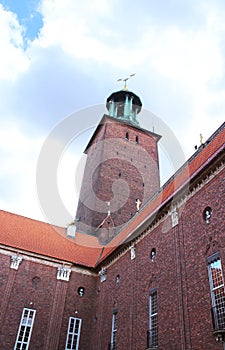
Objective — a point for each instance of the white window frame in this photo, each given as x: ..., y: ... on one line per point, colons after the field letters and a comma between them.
x: 26, y: 326
x: 114, y: 330
x: 153, y: 315
x: 73, y: 336
x: 218, y: 310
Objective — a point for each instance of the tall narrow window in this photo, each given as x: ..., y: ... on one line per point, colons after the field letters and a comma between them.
x: 73, y: 334
x: 114, y: 331
x: 153, y: 320
x: 127, y: 135
x: 217, y: 291
x: 25, y: 329
x: 136, y: 139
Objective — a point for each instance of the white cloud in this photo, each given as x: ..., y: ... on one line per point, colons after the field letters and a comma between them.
x: 84, y: 30
x: 69, y: 175
x: 12, y: 59
x: 19, y: 154
x: 193, y: 61
x: 186, y: 55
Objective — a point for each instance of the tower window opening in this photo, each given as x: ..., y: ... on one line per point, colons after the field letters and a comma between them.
x: 136, y: 139
x: 127, y: 135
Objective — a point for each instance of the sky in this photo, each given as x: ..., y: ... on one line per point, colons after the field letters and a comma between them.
x: 63, y: 57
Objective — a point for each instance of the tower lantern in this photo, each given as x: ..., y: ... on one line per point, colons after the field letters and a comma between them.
x: 124, y: 105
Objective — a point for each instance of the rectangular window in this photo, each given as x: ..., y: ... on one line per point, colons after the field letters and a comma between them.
x: 25, y: 329
x: 217, y: 291
x: 73, y: 334
x: 153, y: 320
x: 114, y: 331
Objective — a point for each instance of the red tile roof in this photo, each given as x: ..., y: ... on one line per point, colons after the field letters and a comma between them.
x: 33, y: 236
x: 47, y: 240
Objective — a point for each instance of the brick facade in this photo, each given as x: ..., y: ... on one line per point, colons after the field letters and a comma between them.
x: 35, y: 286
x: 178, y: 234
x: 179, y: 272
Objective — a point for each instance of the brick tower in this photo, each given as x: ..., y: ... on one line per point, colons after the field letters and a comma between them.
x: 122, y: 169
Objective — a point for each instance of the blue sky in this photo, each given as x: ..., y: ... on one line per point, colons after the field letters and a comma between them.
x: 61, y: 56
x: 28, y: 16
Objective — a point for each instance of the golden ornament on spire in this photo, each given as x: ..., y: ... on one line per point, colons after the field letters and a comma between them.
x: 125, y: 81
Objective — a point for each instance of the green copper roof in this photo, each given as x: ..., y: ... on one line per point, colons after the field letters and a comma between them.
x: 124, y: 105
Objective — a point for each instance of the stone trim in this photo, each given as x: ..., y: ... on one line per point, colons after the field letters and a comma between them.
x: 63, y: 273
x: 15, y: 262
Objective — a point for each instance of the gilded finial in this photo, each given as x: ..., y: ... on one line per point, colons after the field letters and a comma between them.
x: 125, y: 81
x: 201, y: 139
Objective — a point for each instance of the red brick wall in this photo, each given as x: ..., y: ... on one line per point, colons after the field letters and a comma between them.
x: 201, y: 240
x: 4, y: 263
x: 180, y: 275
x: 81, y: 307
x: 42, y: 295
x: 23, y: 293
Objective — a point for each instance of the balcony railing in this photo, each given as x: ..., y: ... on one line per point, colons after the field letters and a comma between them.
x: 152, y: 340
x: 218, y: 317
